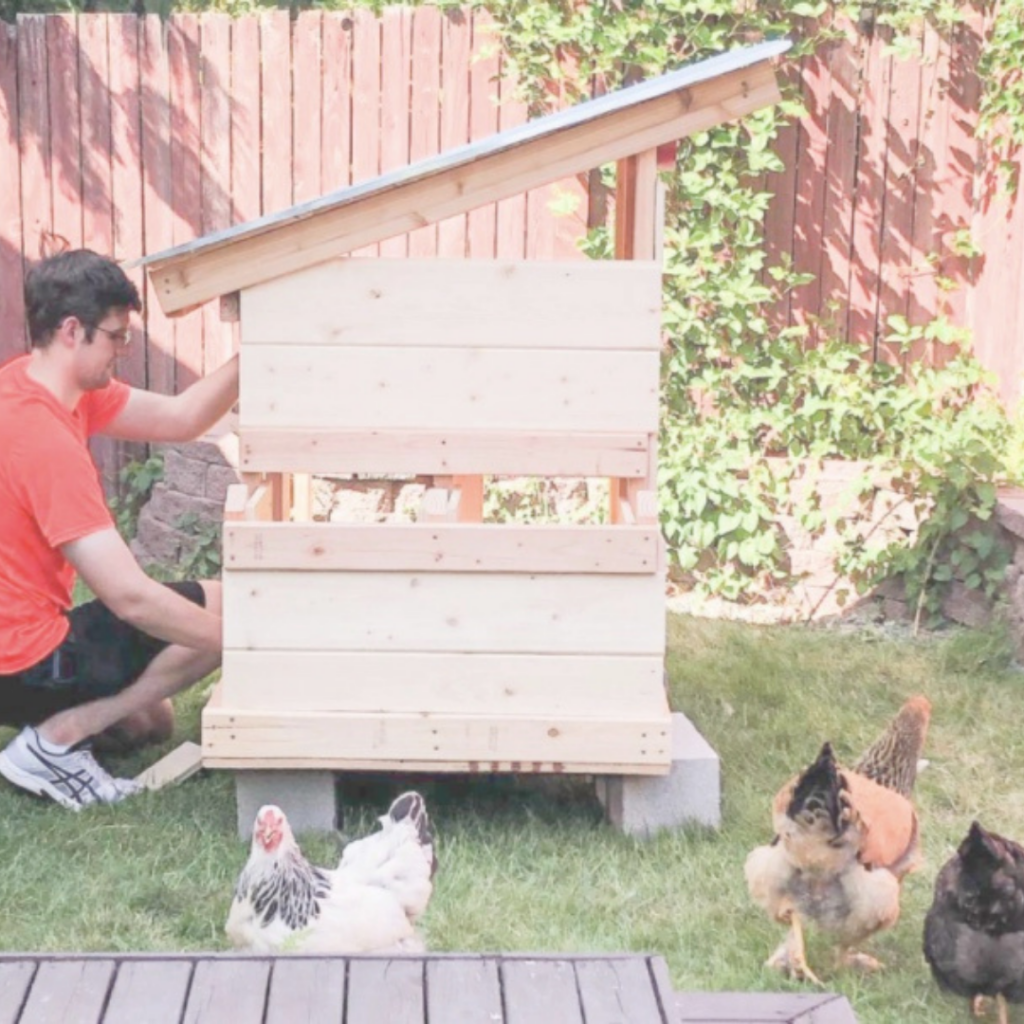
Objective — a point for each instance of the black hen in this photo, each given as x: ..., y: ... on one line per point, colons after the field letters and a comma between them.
x: 974, y: 931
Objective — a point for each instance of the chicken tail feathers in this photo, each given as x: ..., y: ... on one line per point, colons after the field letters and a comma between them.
x: 892, y: 759
x: 412, y: 808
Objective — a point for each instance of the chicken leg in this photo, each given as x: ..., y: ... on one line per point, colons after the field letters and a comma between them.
x: 791, y: 956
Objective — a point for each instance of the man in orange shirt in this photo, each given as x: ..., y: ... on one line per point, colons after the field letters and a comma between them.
x: 110, y: 666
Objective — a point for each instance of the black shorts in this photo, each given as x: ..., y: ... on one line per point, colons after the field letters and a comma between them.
x: 100, y: 656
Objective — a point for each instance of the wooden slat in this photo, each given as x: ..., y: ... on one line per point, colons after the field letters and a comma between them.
x: 306, y: 104
x: 12, y: 310
x: 366, y: 99
x: 215, y: 141
x: 463, y: 992
x: 481, y: 226
x: 333, y: 739
x: 395, y: 388
x: 245, y: 119
x: 517, y: 684
x: 276, y: 110
x: 475, y: 303
x: 126, y: 169
x: 68, y: 992
x: 617, y: 992
x: 396, y: 611
x: 412, y: 452
x: 424, y: 124
x: 425, y: 196
x: 385, y: 990
x: 34, y: 134
x: 306, y: 992
x: 441, y: 547
x: 94, y: 212
x: 456, y: 36
x: 15, y: 978
x: 227, y: 990
x: 538, y: 990
x: 396, y: 58
x: 512, y: 113
x: 149, y: 992
x: 183, y: 51
x: 65, y: 123
x: 157, y: 192
x: 335, y: 151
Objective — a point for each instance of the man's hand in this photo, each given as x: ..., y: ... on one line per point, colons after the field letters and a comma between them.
x: 110, y: 570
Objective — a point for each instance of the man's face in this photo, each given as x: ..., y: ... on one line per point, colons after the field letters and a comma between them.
x: 96, y: 358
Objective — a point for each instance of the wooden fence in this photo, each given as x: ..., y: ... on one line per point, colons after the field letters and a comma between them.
x: 131, y: 134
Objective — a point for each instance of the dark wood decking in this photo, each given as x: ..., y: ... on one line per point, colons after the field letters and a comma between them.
x: 442, y: 989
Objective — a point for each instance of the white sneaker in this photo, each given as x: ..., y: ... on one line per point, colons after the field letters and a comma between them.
x: 71, y: 776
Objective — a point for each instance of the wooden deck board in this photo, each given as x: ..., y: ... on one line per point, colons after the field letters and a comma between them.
x: 440, y: 988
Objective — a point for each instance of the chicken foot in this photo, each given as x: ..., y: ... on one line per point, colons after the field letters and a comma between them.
x: 791, y: 956
x: 980, y: 1005
x: 860, y: 961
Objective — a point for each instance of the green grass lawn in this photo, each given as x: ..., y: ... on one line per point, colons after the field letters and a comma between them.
x: 529, y: 865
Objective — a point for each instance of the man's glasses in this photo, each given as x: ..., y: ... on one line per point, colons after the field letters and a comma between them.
x: 121, y: 338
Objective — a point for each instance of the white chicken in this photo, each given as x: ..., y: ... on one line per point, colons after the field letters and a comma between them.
x: 368, y: 904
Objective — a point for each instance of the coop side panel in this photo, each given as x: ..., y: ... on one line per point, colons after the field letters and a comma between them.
x: 463, y: 303
x: 456, y: 612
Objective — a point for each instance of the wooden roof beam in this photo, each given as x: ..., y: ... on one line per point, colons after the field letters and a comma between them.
x: 506, y: 165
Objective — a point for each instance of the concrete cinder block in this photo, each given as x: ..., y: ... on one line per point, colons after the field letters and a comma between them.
x: 641, y: 805
x: 307, y: 798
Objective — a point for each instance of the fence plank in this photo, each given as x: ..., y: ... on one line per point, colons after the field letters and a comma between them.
x: 12, y: 310
x: 335, y: 149
x: 366, y: 72
x: 157, y: 192
x: 396, y: 62
x: 482, y: 223
x: 276, y: 112
x: 65, y: 140
x: 215, y: 139
x: 186, y: 175
x: 424, y: 132
x: 306, y: 105
x: 456, y: 38
x: 512, y: 111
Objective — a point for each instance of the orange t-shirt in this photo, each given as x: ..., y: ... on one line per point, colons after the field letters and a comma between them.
x: 50, y: 494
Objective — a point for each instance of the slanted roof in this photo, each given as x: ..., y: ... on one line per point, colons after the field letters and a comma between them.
x: 612, y: 127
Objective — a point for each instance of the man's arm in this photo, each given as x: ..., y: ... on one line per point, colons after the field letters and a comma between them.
x: 108, y: 567
x: 152, y: 417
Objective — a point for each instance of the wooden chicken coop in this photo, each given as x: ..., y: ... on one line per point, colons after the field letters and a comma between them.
x: 449, y: 644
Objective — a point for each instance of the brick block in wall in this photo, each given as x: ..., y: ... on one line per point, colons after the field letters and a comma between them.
x: 184, y: 475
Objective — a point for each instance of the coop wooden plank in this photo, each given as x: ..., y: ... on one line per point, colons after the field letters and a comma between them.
x: 385, y: 990
x: 438, y: 388
x: 396, y: 611
x: 149, y: 992
x: 326, y: 736
x: 501, y: 452
x: 306, y: 992
x: 538, y: 990
x: 606, y: 304
x: 15, y: 978
x: 463, y: 991
x: 68, y: 992
x: 515, y: 684
x: 617, y: 992
x: 441, y: 547
x: 228, y: 992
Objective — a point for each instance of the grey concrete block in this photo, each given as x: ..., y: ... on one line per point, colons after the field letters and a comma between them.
x: 642, y: 805
x: 307, y: 798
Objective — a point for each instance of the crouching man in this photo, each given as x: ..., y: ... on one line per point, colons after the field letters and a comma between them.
x: 105, y: 670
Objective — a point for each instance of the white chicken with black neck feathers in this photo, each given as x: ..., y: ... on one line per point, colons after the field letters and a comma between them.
x: 369, y: 904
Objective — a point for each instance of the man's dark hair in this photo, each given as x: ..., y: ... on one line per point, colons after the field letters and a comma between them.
x: 80, y: 283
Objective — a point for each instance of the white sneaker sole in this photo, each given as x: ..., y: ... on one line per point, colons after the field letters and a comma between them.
x: 34, y: 784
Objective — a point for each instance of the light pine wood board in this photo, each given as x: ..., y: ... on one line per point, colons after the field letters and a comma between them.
x: 408, y: 452
x: 400, y: 611
x: 515, y: 684
x: 441, y: 547
x: 441, y: 388
x: 460, y: 303
x: 329, y: 737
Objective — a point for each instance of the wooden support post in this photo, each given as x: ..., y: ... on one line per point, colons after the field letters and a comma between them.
x: 471, y: 502
x: 639, y: 216
x: 302, y: 497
